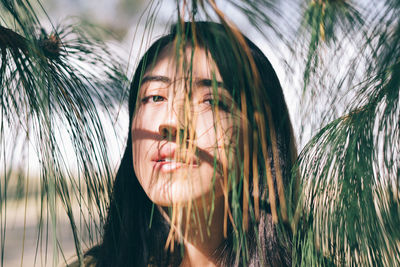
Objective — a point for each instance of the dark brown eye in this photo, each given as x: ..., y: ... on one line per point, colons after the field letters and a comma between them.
x: 153, y: 99
x: 156, y: 98
x: 209, y: 101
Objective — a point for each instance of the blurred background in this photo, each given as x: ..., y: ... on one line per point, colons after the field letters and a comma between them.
x: 336, y: 60
x: 23, y: 241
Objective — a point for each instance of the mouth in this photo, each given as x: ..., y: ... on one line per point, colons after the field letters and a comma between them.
x: 165, y: 160
x: 168, y: 165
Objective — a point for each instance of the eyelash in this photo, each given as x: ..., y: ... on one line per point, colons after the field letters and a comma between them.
x: 211, y: 100
x: 151, y: 97
x: 221, y: 104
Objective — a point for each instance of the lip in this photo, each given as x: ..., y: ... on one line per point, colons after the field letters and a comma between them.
x: 170, y: 166
x: 164, y: 160
x: 167, y: 167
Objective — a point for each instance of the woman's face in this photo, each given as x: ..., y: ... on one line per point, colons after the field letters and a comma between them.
x: 184, y: 129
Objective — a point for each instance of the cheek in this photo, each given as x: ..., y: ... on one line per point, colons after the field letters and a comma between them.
x: 206, y: 132
x: 137, y: 156
x: 137, y: 132
x: 217, y: 133
x: 142, y: 139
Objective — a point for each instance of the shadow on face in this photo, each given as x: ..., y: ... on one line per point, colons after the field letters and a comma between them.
x: 185, y: 128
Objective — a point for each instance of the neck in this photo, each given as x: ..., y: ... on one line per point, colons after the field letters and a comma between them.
x: 201, y: 238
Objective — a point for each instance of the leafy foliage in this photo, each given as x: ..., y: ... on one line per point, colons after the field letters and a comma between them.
x: 346, y: 208
x: 47, y: 93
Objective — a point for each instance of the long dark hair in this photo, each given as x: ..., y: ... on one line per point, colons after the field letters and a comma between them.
x: 135, y: 232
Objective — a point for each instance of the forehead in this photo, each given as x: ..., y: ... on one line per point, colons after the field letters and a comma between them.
x: 191, y: 62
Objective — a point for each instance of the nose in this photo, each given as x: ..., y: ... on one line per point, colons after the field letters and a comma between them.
x: 168, y: 131
x: 171, y: 132
x: 173, y: 125
x: 178, y: 117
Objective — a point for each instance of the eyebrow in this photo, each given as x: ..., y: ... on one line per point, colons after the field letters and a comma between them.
x: 164, y: 79
x: 209, y: 83
x: 157, y: 78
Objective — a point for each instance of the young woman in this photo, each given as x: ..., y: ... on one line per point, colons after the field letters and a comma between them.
x: 208, y: 157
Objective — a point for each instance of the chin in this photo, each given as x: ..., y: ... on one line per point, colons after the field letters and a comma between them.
x: 177, y: 192
x: 182, y: 193
x: 182, y: 186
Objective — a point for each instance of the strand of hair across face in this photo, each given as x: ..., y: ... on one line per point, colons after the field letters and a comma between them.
x: 278, y: 171
x: 256, y: 193
x: 246, y: 162
x: 270, y: 182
